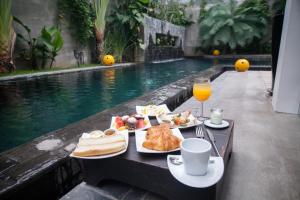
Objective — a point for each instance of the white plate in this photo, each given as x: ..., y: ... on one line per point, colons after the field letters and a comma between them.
x: 125, y: 133
x: 152, y: 112
x: 140, y: 137
x: 211, y: 125
x: 148, y: 125
x: 159, y: 120
x: 214, y: 173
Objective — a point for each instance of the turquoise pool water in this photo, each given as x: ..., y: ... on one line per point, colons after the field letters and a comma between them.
x: 31, y: 108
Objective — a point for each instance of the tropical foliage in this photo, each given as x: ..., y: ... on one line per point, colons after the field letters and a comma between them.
x: 30, y: 52
x: 116, y: 43
x: 46, y: 46
x: 124, y: 23
x: 230, y: 26
x: 7, y: 37
x: 130, y: 16
x: 173, y: 12
x: 51, y: 41
x: 80, y: 15
x: 100, y: 7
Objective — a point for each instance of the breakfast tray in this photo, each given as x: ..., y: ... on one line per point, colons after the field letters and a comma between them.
x: 150, y: 171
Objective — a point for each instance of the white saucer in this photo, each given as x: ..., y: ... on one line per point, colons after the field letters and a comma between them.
x: 211, y: 125
x: 214, y: 173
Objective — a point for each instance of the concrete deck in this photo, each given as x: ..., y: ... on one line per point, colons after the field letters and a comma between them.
x: 265, y: 163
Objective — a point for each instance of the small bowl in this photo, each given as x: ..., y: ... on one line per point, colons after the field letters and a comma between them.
x: 110, y: 131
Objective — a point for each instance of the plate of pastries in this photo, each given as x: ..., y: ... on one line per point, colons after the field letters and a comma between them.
x: 101, y: 144
x: 158, y: 139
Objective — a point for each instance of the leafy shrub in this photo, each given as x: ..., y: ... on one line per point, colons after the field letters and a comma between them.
x: 46, y: 46
x: 228, y: 26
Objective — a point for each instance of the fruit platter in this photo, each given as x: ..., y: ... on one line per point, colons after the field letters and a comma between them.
x: 130, y: 122
x: 179, y: 120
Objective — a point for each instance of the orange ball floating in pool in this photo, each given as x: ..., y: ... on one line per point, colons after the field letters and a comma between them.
x: 242, y: 65
x: 216, y: 52
x: 108, y: 60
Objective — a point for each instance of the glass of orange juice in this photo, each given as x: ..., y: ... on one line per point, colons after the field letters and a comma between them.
x: 202, y: 91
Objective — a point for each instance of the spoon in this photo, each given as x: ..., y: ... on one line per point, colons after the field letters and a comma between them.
x: 175, y: 161
x: 178, y: 161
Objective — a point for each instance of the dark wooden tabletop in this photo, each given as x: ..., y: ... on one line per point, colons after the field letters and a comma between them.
x: 150, y: 171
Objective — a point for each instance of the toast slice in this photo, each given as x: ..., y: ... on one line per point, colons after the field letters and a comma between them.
x: 101, y: 140
x: 96, y: 150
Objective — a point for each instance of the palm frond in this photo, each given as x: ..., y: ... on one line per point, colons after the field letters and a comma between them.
x: 6, y: 29
x: 100, y: 11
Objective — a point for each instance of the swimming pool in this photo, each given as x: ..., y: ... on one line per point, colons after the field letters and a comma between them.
x: 31, y: 108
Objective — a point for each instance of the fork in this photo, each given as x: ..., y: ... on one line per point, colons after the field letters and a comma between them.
x: 199, y: 131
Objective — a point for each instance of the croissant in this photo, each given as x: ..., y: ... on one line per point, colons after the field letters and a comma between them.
x: 161, y: 138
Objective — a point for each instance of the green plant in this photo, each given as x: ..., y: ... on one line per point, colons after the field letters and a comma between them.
x: 45, y: 46
x: 118, y: 43
x: 230, y: 26
x: 7, y: 37
x: 100, y: 7
x: 130, y: 15
x: 126, y: 17
x: 51, y: 41
x: 80, y: 14
x: 30, y: 53
x: 261, y: 6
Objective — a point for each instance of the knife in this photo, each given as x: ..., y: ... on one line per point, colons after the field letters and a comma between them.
x: 212, y: 140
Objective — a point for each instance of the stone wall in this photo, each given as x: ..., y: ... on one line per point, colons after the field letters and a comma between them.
x: 191, y: 41
x: 153, y: 26
x: 152, y: 51
x: 38, y: 13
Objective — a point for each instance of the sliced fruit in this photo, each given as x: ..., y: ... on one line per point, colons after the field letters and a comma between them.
x: 140, y: 123
x: 119, y: 124
x: 118, y: 118
x: 122, y: 128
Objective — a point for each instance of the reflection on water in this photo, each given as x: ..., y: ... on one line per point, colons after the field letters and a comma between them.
x: 32, y: 108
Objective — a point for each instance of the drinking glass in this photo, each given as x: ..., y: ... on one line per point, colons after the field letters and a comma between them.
x: 202, y: 91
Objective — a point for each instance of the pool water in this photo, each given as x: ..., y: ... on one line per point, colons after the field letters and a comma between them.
x: 31, y: 108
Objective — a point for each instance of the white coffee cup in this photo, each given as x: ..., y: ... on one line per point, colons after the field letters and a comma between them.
x: 195, y: 154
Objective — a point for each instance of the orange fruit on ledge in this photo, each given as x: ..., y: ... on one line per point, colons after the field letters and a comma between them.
x: 242, y: 65
x: 216, y: 52
x: 108, y: 60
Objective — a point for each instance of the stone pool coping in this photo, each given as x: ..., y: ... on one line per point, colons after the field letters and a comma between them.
x: 62, y: 71
x: 253, y: 57
x: 25, y: 164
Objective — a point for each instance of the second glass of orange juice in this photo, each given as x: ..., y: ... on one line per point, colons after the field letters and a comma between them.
x: 202, y: 91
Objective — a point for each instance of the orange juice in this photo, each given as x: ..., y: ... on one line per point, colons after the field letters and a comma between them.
x: 201, y: 91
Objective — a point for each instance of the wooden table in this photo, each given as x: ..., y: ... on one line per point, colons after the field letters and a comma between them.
x: 150, y: 171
